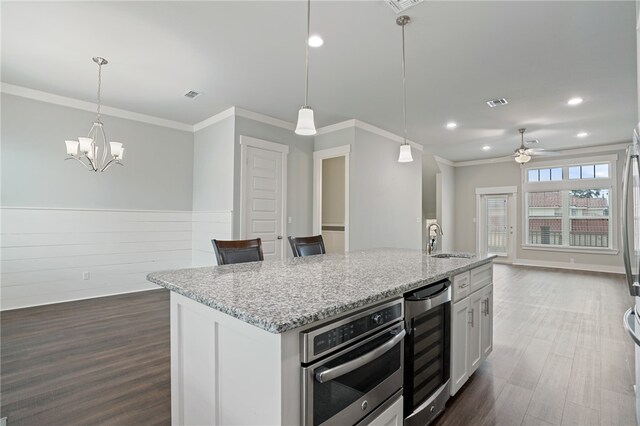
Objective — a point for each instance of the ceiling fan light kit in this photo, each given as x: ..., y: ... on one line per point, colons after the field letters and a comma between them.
x: 306, y: 124
x: 86, y: 150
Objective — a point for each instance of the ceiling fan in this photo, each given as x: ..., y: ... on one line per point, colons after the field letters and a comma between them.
x: 524, y: 153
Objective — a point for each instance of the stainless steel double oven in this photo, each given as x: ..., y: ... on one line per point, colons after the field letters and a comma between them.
x: 353, y: 368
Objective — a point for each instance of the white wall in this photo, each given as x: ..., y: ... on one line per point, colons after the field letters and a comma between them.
x: 60, y: 220
x: 430, y: 170
x: 468, y: 178
x: 447, y: 207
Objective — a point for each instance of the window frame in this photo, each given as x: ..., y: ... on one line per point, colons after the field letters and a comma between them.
x: 567, y: 184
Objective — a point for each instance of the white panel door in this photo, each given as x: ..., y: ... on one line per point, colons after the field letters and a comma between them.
x: 263, y: 200
x: 475, y: 341
x: 459, y: 338
x: 486, y: 321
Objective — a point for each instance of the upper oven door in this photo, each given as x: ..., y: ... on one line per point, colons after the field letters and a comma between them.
x: 347, y: 386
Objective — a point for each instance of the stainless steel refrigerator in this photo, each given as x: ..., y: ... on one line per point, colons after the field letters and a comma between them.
x: 631, y: 250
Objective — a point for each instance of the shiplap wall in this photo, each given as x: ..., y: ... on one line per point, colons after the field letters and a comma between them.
x: 207, y: 226
x: 44, y: 252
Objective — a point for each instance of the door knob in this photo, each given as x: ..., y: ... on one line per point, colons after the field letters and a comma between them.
x: 279, y: 237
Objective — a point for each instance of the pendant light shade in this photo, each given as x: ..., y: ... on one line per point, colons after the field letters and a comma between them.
x: 306, y: 125
x: 405, y: 149
x: 405, y: 154
x: 523, y: 158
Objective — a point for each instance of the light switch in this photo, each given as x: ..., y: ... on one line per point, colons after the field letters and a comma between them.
x: 289, y: 219
x: 86, y: 275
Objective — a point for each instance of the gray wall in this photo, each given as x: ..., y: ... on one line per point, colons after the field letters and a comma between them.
x: 213, y: 167
x: 156, y: 176
x: 299, y: 173
x: 333, y: 186
x: 385, y: 197
x: 430, y: 170
x: 447, y: 206
x: 468, y: 178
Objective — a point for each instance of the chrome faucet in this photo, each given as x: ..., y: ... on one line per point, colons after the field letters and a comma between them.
x: 431, y: 245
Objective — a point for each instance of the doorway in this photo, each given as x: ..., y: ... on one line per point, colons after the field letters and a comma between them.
x: 495, y: 222
x: 263, y: 194
x: 331, y: 198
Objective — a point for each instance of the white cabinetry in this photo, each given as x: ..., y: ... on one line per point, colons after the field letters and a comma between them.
x: 471, y: 323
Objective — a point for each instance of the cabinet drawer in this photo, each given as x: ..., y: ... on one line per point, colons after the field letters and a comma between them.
x: 461, y: 286
x: 481, y: 277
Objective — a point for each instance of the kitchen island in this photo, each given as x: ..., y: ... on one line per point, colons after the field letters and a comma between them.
x: 235, y: 329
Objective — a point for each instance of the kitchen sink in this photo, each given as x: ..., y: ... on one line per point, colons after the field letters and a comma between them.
x: 450, y: 255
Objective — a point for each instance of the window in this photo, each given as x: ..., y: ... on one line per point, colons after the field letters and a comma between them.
x: 545, y: 175
x: 564, y: 209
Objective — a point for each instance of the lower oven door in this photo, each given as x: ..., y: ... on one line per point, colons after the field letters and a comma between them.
x: 347, y: 386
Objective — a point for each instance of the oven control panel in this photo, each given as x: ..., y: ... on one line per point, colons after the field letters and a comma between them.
x: 352, y: 328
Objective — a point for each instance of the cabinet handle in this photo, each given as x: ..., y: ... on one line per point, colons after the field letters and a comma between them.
x: 471, y: 318
x: 485, y: 309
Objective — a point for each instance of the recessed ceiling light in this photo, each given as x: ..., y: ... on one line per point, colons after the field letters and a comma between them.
x: 315, y: 41
x: 452, y: 125
x: 574, y: 101
x: 486, y: 148
x: 582, y: 134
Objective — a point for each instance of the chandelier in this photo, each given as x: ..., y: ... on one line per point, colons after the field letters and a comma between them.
x: 87, y: 150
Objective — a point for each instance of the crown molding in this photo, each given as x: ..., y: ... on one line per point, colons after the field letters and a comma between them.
x: 229, y: 112
x: 369, y: 128
x: 576, y: 151
x: 444, y: 161
x: 37, y: 95
x: 266, y: 119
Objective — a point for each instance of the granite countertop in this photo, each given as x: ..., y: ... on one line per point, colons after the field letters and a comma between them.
x: 278, y: 296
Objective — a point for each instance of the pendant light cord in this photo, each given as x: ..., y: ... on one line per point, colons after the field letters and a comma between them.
x: 306, y: 84
x: 404, y: 90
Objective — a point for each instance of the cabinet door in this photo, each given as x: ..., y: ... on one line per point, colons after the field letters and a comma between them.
x: 474, y: 342
x: 392, y: 416
x: 486, y: 322
x: 459, y: 338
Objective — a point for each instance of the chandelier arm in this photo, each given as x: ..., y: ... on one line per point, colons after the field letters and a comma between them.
x: 80, y: 161
x: 104, y: 146
x: 106, y: 166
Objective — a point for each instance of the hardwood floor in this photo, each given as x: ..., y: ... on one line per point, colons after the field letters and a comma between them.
x: 560, y: 357
x: 97, y: 361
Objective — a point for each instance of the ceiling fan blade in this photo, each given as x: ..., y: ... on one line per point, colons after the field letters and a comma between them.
x: 544, y: 153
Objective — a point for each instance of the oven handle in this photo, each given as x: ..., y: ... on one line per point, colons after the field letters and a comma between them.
x: 327, y: 374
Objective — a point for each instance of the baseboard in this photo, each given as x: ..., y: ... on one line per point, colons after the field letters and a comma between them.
x: 570, y: 266
x: 78, y: 299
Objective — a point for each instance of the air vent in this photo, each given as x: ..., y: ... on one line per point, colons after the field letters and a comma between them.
x: 497, y: 102
x: 192, y: 94
x: 402, y: 5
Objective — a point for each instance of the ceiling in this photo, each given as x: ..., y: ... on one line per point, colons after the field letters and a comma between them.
x: 251, y: 54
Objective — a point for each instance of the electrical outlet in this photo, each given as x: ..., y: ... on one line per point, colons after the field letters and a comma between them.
x: 418, y: 220
x: 290, y: 220
x: 86, y: 275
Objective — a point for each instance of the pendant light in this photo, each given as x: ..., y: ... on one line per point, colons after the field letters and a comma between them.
x: 96, y: 140
x: 405, y: 149
x: 306, y: 125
